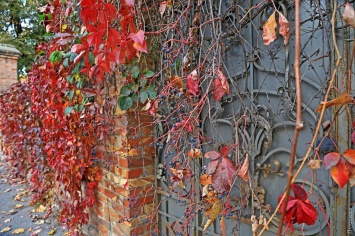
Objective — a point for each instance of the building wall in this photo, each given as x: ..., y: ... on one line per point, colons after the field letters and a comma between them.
x: 8, y: 66
x: 125, y: 194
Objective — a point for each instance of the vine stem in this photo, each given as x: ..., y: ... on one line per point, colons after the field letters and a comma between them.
x: 299, y: 123
x: 320, y: 116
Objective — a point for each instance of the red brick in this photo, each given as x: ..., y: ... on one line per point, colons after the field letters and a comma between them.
x: 141, y: 201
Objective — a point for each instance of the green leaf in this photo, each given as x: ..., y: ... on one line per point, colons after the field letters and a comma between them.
x: 68, y: 110
x: 66, y: 62
x: 70, y: 78
x: 73, y: 55
x: 142, y: 82
x: 151, y: 92
x: 56, y: 56
x: 125, y: 91
x: 134, y: 71
x: 134, y: 97
x: 134, y: 87
x: 143, y: 96
x: 148, y: 73
x: 91, y: 57
x: 71, y: 94
x: 48, y: 36
x: 42, y: 17
x: 125, y: 103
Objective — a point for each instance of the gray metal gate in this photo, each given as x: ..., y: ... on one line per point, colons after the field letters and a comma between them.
x: 258, y: 116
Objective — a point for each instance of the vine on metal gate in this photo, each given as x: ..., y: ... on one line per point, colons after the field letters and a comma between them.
x: 55, y: 124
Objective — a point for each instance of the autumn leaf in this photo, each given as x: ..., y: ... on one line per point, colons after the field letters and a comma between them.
x: 269, y: 32
x: 6, y: 229
x: 162, y: 8
x: 349, y: 156
x: 224, y: 151
x: 176, y: 81
x: 211, y: 167
x: 222, y: 178
x: 18, y: 231
x: 340, y: 174
x: 243, y: 171
x: 195, y: 153
x: 331, y: 159
x: 205, y: 179
x: 349, y: 15
x: 339, y: 101
x: 212, y: 213
x: 284, y: 28
x: 299, y: 209
x: 314, y: 164
x: 213, y: 155
x: 192, y: 83
x: 52, y: 232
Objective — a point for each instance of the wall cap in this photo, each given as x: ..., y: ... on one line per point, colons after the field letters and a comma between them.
x: 7, y: 49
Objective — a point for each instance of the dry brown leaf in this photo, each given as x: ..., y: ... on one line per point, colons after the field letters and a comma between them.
x: 18, y: 231
x: 7, y: 220
x: 29, y: 229
x: 7, y: 229
x: 176, y: 81
x: 339, y: 101
x: 205, y: 179
x: 269, y: 30
x: 284, y: 28
x: 349, y: 15
x: 243, y: 171
x: 314, y: 164
x: 195, y: 153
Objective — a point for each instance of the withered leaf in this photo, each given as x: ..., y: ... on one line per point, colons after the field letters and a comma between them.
x: 284, y: 28
x: 269, y: 30
x: 314, y: 164
x: 18, y: 231
x: 349, y: 15
x: 341, y: 100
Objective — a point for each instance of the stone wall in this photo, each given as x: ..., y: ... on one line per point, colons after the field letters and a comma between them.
x: 8, y: 66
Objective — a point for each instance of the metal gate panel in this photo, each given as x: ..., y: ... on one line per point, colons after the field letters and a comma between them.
x: 259, y: 116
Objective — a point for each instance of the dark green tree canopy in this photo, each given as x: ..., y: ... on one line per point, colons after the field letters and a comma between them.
x: 20, y: 26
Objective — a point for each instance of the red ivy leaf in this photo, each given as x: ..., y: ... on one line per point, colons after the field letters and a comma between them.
x: 162, y: 8
x: 299, y: 192
x: 110, y: 10
x: 223, y: 80
x: 213, y: 155
x: 331, y: 159
x: 299, y: 209
x: 211, y: 167
x: 192, y: 84
x: 349, y: 155
x: 340, y: 174
x: 217, y: 91
x: 224, y: 151
x: 129, y: 2
x: 222, y: 178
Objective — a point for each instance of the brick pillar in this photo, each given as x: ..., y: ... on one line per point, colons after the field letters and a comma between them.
x: 125, y: 194
x: 8, y: 65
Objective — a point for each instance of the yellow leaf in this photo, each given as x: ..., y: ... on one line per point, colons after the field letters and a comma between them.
x: 29, y: 229
x: 39, y: 222
x: 269, y: 32
x: 339, y: 101
x: 5, y: 229
x: 18, y: 231
x: 133, y: 152
x: 17, y: 206
x: 64, y: 27
x: 40, y: 208
x: 212, y: 213
x: 52, y: 232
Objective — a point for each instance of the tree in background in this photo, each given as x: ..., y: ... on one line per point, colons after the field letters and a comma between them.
x: 20, y: 26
